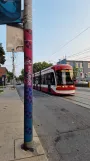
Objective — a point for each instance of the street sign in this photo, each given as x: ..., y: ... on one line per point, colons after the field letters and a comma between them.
x: 10, y: 11
x: 14, y: 38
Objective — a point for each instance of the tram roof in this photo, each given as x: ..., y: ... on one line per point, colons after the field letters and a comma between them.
x: 61, y: 67
x: 57, y: 67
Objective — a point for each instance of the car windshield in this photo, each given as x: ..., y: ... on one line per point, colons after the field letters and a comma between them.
x: 64, y: 77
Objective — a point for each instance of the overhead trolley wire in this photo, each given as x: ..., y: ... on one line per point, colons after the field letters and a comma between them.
x: 71, y: 40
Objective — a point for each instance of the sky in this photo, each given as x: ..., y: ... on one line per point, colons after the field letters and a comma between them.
x: 55, y: 23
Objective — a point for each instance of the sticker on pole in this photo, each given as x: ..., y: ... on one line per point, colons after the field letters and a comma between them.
x: 10, y: 11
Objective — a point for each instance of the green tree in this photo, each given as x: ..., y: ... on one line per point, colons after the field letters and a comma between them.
x: 36, y: 68
x: 22, y: 72
x: 9, y: 76
x: 75, y: 72
x: 21, y: 77
x: 40, y: 66
x: 2, y: 55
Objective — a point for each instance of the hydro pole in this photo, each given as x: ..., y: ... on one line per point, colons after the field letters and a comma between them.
x: 28, y: 71
x: 13, y: 67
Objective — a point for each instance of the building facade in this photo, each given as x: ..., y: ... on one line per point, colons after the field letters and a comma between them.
x: 3, y: 75
x: 82, y: 66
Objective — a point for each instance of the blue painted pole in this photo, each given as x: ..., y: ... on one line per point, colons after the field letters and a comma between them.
x: 28, y: 71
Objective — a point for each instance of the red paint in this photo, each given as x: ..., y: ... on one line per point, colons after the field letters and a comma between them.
x: 65, y: 88
x: 45, y: 89
x: 38, y: 88
x: 28, y: 42
x: 62, y: 67
x: 28, y: 57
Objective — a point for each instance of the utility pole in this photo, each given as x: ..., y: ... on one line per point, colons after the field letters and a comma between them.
x: 28, y: 71
x: 13, y: 67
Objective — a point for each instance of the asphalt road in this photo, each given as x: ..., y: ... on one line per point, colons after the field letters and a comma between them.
x: 62, y: 126
x: 82, y: 97
x: 84, y: 89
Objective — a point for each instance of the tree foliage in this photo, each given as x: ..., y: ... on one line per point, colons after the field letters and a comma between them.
x: 2, y: 55
x: 75, y: 72
x: 22, y: 72
x: 21, y: 77
x: 36, y: 68
x: 40, y: 66
x: 9, y: 76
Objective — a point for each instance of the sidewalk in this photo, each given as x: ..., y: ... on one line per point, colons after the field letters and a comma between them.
x: 11, y: 130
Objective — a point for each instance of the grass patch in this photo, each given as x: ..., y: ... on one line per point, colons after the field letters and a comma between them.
x: 2, y: 87
x: 1, y: 91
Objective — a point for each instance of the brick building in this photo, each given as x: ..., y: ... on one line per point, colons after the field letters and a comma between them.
x: 3, y: 73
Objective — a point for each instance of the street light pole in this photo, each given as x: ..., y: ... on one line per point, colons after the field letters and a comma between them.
x: 28, y: 71
x: 13, y: 70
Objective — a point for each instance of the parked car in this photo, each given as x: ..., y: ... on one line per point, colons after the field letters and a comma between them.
x: 82, y: 82
x: 18, y: 83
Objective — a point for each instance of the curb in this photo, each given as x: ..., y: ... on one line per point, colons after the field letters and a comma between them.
x: 42, y: 149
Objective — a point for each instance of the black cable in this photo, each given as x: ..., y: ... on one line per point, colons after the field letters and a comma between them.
x: 72, y: 40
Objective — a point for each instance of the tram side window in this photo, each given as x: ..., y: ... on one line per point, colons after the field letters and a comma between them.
x: 43, y: 79
x: 36, y: 81
x: 52, y: 78
x: 33, y: 80
x: 68, y: 78
x: 59, y: 77
x: 46, y: 79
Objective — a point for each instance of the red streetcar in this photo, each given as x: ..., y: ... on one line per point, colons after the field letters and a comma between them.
x: 57, y: 79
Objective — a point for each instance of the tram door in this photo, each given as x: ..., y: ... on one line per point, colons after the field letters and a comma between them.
x: 40, y: 80
x: 49, y: 83
x: 49, y: 88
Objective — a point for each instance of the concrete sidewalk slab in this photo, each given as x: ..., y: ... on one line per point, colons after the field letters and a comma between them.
x: 19, y: 153
x: 6, y: 150
x: 12, y: 130
x: 38, y: 158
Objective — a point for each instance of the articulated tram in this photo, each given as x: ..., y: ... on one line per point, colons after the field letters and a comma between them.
x: 57, y: 79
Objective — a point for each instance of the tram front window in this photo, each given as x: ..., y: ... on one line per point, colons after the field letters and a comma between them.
x: 64, y: 77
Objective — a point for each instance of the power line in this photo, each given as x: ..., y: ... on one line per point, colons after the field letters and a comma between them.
x: 71, y: 40
x: 80, y: 53
x: 86, y: 57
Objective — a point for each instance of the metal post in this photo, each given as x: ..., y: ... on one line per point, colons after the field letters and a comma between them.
x: 13, y: 70
x: 28, y: 71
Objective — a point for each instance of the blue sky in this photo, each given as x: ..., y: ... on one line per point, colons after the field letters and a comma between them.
x: 55, y: 22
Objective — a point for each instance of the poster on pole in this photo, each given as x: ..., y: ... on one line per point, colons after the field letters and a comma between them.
x: 10, y: 11
x: 14, y: 38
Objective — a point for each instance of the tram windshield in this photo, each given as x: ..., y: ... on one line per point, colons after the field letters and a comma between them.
x: 64, y: 77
